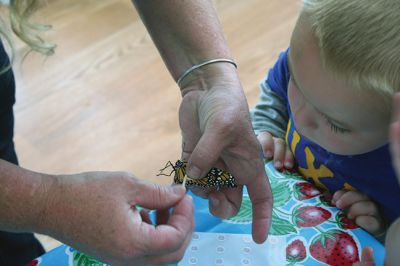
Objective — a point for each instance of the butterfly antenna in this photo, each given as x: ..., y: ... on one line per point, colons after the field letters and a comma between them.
x: 168, y: 164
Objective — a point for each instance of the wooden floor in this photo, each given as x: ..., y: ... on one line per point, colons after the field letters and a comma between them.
x: 105, y: 101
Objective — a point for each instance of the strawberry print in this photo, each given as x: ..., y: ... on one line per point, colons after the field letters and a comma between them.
x: 334, y: 247
x: 305, y: 190
x: 34, y: 262
x: 344, y: 222
x: 310, y: 216
x: 295, y: 252
x: 289, y: 171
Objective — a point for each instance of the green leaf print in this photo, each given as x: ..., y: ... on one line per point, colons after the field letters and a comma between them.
x: 294, y: 175
x: 245, y: 213
x: 282, y: 193
x: 81, y: 259
x: 280, y: 226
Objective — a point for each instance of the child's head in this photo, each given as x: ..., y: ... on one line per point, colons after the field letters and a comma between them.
x: 344, y: 60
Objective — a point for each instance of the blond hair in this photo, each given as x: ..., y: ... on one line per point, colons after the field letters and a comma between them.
x: 359, y: 40
x: 20, y: 12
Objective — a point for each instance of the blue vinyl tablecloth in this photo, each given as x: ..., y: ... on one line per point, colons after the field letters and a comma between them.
x: 305, y: 230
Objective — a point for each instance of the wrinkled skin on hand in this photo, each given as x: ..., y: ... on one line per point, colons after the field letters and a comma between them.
x: 217, y: 132
x: 96, y: 213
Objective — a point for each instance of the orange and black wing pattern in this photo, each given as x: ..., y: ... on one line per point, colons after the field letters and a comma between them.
x: 215, y: 178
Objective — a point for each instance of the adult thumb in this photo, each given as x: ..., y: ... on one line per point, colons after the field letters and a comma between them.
x: 153, y: 196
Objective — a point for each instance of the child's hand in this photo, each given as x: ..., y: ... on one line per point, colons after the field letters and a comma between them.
x: 276, y: 148
x: 361, y: 209
x: 367, y: 258
x: 391, y: 247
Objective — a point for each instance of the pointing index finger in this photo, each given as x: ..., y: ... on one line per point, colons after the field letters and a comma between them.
x: 261, y: 198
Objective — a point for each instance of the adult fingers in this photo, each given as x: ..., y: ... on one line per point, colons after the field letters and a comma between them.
x: 225, y: 203
x: 172, y: 257
x: 204, y: 192
x: 172, y: 236
x: 169, y: 258
x: 250, y: 171
x: 153, y: 196
x: 261, y: 199
x: 205, y: 154
x: 189, y: 124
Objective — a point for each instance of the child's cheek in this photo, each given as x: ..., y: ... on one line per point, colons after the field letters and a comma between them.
x: 303, y: 116
x: 293, y: 96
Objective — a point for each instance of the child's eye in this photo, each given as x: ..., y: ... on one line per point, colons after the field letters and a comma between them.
x: 337, y: 129
x: 334, y: 128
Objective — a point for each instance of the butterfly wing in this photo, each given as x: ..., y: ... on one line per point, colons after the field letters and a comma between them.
x: 180, y: 171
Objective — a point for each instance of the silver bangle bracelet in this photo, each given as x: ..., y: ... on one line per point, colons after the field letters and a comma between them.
x: 212, y: 61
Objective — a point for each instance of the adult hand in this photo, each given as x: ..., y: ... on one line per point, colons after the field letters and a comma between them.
x: 217, y: 132
x: 96, y: 213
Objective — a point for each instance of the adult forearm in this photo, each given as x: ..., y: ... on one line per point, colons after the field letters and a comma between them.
x: 22, y: 198
x: 185, y: 32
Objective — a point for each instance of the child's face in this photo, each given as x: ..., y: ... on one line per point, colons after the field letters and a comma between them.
x: 341, y: 119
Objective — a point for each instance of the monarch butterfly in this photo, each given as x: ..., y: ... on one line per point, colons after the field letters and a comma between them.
x: 215, y: 178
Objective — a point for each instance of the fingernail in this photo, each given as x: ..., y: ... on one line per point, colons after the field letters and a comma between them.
x: 177, y: 189
x: 288, y: 165
x: 193, y: 171
x: 268, y: 154
x: 278, y: 164
x: 334, y: 197
x: 350, y: 216
x: 189, y: 197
